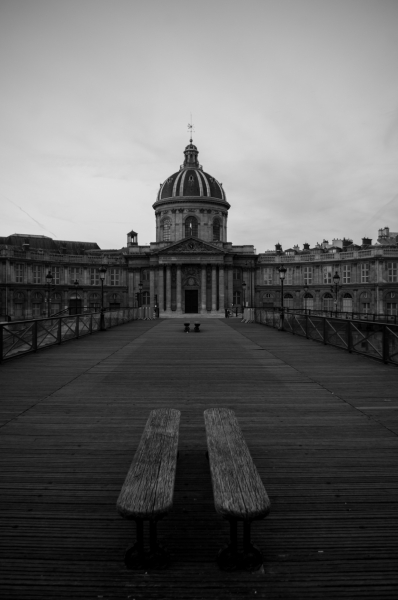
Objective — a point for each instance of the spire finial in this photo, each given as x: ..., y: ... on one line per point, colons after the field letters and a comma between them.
x: 191, y: 129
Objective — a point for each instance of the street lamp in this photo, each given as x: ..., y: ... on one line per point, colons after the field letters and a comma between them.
x: 305, y: 298
x: 336, y: 281
x: 102, y: 271
x: 140, y: 286
x: 282, y: 273
x: 49, y: 279
x: 243, y: 297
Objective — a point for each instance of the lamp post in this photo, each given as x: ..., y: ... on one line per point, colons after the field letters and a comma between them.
x: 282, y: 274
x: 49, y: 279
x: 243, y: 297
x: 336, y: 281
x: 305, y: 298
x: 140, y: 286
x: 102, y: 271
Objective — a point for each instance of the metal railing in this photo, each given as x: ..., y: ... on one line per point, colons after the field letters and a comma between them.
x: 21, y: 337
x: 369, y: 338
x: 357, y: 316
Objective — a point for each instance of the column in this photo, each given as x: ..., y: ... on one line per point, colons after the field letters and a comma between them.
x: 168, y: 288
x: 152, y: 289
x: 230, y: 286
x: 179, y: 291
x: 221, y: 286
x: 203, y: 299
x: 213, y: 288
x: 160, y: 290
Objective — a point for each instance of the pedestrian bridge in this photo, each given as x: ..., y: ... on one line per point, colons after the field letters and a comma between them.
x: 321, y: 425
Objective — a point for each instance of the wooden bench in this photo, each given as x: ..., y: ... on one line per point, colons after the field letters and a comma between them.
x: 147, y: 493
x: 239, y: 494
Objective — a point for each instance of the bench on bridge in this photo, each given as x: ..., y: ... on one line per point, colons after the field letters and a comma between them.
x: 239, y: 494
x: 147, y: 493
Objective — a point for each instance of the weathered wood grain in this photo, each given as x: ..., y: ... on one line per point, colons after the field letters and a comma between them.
x: 73, y: 418
x: 238, y: 490
x: 147, y: 492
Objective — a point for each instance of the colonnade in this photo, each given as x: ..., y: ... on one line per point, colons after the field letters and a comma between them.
x: 210, y: 280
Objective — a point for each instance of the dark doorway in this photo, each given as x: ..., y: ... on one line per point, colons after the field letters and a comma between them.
x: 75, y: 306
x: 191, y: 301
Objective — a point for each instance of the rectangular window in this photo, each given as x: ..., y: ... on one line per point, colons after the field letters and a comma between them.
x: 18, y: 273
x: 55, y: 271
x: 237, y: 274
x: 115, y: 277
x: 74, y: 274
x: 289, y: 276
x: 36, y: 272
x: 391, y: 308
x: 392, y: 268
x: 94, y: 276
x: 366, y: 307
x: 145, y: 275
x: 365, y: 273
x: 327, y: 274
x: 268, y: 276
x: 346, y: 273
x: 307, y: 275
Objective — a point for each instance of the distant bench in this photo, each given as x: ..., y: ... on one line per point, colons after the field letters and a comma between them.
x: 239, y: 494
x: 147, y: 493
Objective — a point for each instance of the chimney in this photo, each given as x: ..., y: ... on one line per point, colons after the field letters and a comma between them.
x: 366, y: 241
x: 278, y: 247
x: 306, y: 246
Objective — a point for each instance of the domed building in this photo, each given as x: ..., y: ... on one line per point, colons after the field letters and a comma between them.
x: 192, y: 266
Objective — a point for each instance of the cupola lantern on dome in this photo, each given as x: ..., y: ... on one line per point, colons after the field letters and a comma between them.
x: 191, y: 182
x: 191, y: 155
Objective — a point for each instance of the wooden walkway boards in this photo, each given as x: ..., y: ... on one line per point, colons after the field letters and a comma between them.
x: 321, y: 425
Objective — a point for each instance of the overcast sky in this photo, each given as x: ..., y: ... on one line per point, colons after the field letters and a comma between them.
x: 294, y: 102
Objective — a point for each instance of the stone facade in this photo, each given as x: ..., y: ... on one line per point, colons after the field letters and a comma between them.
x: 192, y: 267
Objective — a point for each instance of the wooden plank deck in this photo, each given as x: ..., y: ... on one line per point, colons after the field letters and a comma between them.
x: 321, y: 425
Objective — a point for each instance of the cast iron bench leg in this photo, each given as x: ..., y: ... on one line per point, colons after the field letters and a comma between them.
x: 137, y: 558
x: 230, y: 559
x: 252, y: 558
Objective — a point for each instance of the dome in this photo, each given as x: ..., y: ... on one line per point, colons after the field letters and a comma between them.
x: 191, y: 180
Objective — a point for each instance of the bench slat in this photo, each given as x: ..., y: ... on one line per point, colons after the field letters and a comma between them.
x: 238, y: 490
x: 148, y: 490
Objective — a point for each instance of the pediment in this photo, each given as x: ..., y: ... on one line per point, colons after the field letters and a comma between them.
x: 191, y: 245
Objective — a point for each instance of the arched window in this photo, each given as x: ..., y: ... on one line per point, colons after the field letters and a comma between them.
x: 308, y: 302
x: 364, y: 306
x: 268, y: 300
x: 288, y: 300
x: 392, y: 303
x: 347, y: 303
x: 166, y: 226
x: 216, y: 230
x: 191, y: 227
x: 328, y: 302
x: 37, y: 304
x: 55, y: 306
